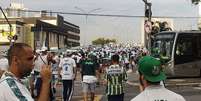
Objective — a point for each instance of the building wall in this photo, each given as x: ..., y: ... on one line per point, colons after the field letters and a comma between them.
x: 28, y: 36
x: 61, y: 41
x: 42, y: 39
x: 53, y: 40
x: 53, y: 22
x: 37, y: 39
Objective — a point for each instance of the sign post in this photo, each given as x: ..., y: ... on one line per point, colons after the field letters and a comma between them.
x: 147, y: 24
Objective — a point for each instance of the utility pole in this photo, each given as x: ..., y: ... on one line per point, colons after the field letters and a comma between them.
x: 10, y: 37
x: 148, y: 12
x: 147, y: 23
x: 87, y: 14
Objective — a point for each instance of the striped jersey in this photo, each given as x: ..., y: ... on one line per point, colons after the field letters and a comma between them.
x: 12, y: 89
x: 115, y: 76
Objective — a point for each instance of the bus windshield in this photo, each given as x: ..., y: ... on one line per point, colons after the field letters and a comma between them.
x: 162, y: 46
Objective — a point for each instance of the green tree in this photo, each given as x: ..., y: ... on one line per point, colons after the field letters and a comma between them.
x: 103, y: 41
x: 113, y: 41
x: 195, y: 1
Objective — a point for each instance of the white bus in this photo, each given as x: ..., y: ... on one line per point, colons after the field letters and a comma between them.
x: 180, y: 52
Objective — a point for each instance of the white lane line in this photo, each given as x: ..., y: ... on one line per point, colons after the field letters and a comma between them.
x: 167, y: 84
x: 132, y: 83
x: 197, y: 88
x: 184, y: 84
x: 97, y: 97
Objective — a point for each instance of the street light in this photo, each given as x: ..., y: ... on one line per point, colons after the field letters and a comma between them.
x: 87, y: 14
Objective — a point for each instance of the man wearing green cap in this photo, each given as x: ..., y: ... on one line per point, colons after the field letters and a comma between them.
x: 150, y: 76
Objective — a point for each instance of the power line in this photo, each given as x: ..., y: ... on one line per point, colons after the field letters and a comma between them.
x: 105, y: 15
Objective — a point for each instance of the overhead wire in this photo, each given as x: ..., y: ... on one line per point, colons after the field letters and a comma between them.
x: 104, y: 15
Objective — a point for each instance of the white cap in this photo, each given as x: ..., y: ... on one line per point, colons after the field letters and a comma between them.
x: 38, y: 50
x: 43, y: 48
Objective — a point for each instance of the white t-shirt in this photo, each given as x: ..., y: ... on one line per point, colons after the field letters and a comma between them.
x: 4, y: 64
x: 67, y: 64
x: 55, y: 65
x: 8, y: 94
x: 77, y: 58
x: 126, y: 60
x: 158, y: 93
x: 39, y: 62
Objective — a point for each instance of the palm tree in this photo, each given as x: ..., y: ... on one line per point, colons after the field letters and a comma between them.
x: 195, y: 1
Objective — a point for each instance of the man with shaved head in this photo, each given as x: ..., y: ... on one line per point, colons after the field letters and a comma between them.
x: 21, y: 63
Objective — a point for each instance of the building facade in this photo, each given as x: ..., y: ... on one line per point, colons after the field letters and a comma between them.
x: 61, y: 35
x: 39, y: 31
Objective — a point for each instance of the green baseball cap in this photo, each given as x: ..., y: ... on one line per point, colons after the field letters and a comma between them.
x: 150, y: 67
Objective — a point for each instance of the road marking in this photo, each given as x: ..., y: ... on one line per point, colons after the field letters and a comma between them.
x: 182, y: 84
x: 197, y: 88
x: 167, y: 84
x: 80, y: 98
x: 132, y: 83
x: 176, y: 80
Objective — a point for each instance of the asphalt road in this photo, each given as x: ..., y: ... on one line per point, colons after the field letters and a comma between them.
x: 189, y: 88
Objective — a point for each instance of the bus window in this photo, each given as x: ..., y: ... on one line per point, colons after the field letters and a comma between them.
x: 197, y: 47
x: 180, y: 52
x: 162, y: 46
x: 184, y: 50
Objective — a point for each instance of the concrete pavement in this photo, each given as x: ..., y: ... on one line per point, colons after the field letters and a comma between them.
x: 189, y: 88
x: 100, y: 90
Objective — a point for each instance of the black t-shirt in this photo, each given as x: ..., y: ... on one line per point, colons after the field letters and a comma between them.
x: 89, y: 67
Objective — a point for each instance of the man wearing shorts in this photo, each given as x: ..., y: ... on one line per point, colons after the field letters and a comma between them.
x: 89, y: 70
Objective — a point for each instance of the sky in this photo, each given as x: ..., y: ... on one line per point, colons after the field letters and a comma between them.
x: 125, y: 30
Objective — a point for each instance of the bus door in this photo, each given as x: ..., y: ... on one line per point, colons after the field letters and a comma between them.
x: 184, y: 58
x: 197, y: 53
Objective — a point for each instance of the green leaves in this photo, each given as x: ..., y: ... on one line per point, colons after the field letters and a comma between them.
x: 102, y: 41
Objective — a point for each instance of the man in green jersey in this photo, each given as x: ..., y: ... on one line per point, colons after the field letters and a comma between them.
x: 115, y: 77
x: 89, y: 70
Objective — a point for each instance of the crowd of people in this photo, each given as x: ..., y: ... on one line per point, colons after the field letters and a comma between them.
x: 28, y: 75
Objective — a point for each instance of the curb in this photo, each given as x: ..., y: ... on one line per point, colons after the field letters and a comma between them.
x: 170, y: 84
x: 183, y: 84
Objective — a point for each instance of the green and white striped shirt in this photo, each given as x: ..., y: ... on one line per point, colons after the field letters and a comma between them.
x: 12, y: 89
x: 115, y: 76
